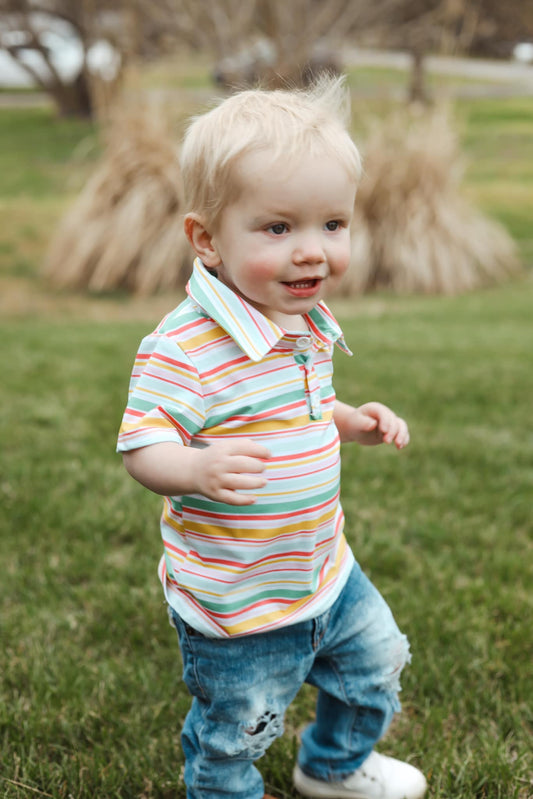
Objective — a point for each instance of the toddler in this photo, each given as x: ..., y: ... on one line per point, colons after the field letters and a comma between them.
x: 232, y: 417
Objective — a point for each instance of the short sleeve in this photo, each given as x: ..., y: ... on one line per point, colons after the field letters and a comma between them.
x: 165, y: 401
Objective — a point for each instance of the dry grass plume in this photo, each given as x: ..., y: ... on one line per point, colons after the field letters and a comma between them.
x: 125, y: 230
x: 413, y: 231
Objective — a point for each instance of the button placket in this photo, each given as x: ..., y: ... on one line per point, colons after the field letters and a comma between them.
x: 312, y: 383
x: 314, y: 399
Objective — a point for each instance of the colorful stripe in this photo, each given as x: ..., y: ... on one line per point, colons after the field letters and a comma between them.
x: 216, y: 367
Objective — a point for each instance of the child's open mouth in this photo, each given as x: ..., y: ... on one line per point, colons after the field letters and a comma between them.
x: 303, y: 288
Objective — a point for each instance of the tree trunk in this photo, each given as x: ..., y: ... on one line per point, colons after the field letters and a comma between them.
x: 74, y: 99
x: 71, y: 99
x: 417, y: 87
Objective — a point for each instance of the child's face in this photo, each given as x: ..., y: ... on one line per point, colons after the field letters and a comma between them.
x: 286, y: 240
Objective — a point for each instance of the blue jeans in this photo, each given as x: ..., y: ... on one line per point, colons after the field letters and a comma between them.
x: 353, y: 653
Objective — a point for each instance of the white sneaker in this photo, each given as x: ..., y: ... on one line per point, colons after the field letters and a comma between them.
x: 379, y: 777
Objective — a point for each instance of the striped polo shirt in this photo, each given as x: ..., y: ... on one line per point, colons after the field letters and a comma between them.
x: 216, y: 367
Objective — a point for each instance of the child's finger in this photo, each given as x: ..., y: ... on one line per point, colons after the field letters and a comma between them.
x: 388, y: 427
x: 244, y: 482
x: 247, y: 446
x: 234, y: 498
x: 242, y: 464
x: 402, y: 437
x: 368, y: 423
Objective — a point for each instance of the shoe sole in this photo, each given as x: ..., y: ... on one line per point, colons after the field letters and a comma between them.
x: 316, y: 790
x: 309, y: 787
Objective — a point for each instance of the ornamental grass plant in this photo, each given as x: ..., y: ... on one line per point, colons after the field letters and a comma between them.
x: 124, y: 230
x: 414, y: 230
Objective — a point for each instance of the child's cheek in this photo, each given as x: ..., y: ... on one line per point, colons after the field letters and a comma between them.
x: 262, y: 270
x: 343, y: 259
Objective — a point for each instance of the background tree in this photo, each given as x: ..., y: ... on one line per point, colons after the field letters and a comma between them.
x: 26, y: 27
x: 453, y: 27
x: 501, y: 26
x: 421, y: 27
x: 271, y: 41
x: 307, y: 35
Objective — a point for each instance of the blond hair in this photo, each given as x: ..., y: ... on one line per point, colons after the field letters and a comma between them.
x: 287, y: 123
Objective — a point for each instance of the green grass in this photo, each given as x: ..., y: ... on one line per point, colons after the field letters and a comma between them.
x: 36, y: 150
x: 498, y: 145
x: 92, y: 701
x: 43, y: 163
x: 366, y: 80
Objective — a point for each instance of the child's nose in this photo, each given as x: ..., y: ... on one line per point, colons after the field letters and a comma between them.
x: 309, y: 250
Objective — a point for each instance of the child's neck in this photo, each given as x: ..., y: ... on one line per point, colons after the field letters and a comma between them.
x: 291, y: 322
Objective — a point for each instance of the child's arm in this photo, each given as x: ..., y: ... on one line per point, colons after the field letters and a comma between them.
x: 369, y: 424
x: 220, y: 471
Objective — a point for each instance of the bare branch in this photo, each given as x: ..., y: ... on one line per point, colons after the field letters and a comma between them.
x: 14, y: 52
x: 57, y: 13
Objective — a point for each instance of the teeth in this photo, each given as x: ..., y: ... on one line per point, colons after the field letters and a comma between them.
x: 303, y: 284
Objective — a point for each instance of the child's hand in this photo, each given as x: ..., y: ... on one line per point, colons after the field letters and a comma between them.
x: 229, y: 467
x: 377, y: 424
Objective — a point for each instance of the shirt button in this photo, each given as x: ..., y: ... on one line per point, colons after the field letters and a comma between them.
x: 302, y: 343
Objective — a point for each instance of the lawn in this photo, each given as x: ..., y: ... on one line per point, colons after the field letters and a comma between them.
x: 91, y: 702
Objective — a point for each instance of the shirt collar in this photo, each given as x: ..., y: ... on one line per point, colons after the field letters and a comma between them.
x: 254, y: 333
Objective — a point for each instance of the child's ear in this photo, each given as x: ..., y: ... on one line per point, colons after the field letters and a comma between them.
x: 201, y: 240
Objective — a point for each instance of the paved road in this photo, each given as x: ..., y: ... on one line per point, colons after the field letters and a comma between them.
x: 475, y: 68
x: 495, y: 77
x: 23, y: 99
x: 490, y: 77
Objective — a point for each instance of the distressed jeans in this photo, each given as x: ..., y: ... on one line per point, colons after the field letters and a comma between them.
x: 353, y: 653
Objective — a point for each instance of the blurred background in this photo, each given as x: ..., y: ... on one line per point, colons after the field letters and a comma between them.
x: 94, y: 96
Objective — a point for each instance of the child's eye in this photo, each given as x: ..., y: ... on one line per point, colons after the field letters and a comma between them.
x: 333, y: 224
x: 278, y: 228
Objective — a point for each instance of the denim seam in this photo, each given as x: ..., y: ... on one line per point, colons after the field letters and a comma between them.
x: 195, y: 670
x: 341, y: 683
x: 186, y: 642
